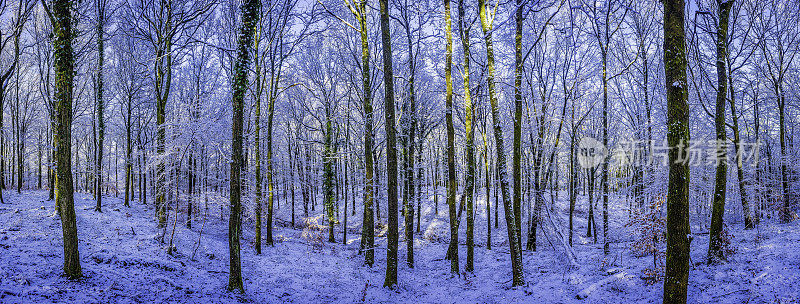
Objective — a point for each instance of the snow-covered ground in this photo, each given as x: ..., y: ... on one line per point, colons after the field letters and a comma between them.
x: 124, y: 261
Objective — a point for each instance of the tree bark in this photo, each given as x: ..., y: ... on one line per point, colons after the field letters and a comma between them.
x: 715, y: 249
x: 516, y: 257
x: 368, y: 222
x: 250, y: 17
x: 101, y: 125
x: 676, y: 276
x: 517, y: 146
x: 469, y: 188
x: 257, y: 140
x: 63, y: 61
x: 452, y: 252
x: 391, y: 153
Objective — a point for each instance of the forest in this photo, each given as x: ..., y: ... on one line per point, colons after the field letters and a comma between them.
x: 396, y: 151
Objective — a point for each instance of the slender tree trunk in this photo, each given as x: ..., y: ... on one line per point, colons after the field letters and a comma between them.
x: 101, y: 125
x: 435, y: 183
x: 328, y: 171
x: 517, y: 146
x: 271, y: 95
x: 391, y: 152
x: 604, y: 174
x: 516, y: 257
x: 786, y: 211
x: 128, y: 155
x: 163, y: 69
x: 572, y: 178
x: 469, y: 188
x: 292, y: 166
x: 757, y: 189
x: 257, y: 140
x: 488, y: 180
x: 346, y: 185
x: 409, y: 141
x: 39, y: 162
x: 418, y: 183
x: 452, y: 185
x: 368, y: 223
x: 715, y: 249
x: 738, y: 149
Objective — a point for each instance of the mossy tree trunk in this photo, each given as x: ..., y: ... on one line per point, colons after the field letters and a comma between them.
x: 250, y: 9
x: 676, y: 276
x: 64, y: 68
x: 469, y: 188
x: 452, y: 251
x: 368, y: 223
x: 516, y: 257
x: 328, y: 161
x: 517, y: 145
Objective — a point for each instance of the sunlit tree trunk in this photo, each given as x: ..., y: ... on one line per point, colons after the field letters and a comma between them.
x: 329, y: 159
x: 469, y: 188
x: 452, y: 252
x: 368, y: 222
x: 516, y: 257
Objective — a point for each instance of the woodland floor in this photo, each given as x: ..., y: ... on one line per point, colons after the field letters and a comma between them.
x: 124, y: 261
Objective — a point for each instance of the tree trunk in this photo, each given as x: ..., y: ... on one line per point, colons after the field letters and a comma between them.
x: 676, y: 276
x: 786, y: 211
x: 391, y: 152
x: 163, y: 69
x: 738, y: 149
x: 101, y: 125
x: 250, y: 10
x: 715, y: 250
x: 368, y: 223
x: 470, y: 147
x: 452, y: 252
x: 516, y: 257
x: 604, y: 173
x: 517, y: 146
x: 346, y: 184
x: 328, y: 164
x: 257, y: 140
x: 409, y: 143
x: 64, y: 68
x: 128, y: 155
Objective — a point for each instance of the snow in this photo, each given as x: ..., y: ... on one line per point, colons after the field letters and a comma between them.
x: 124, y: 262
